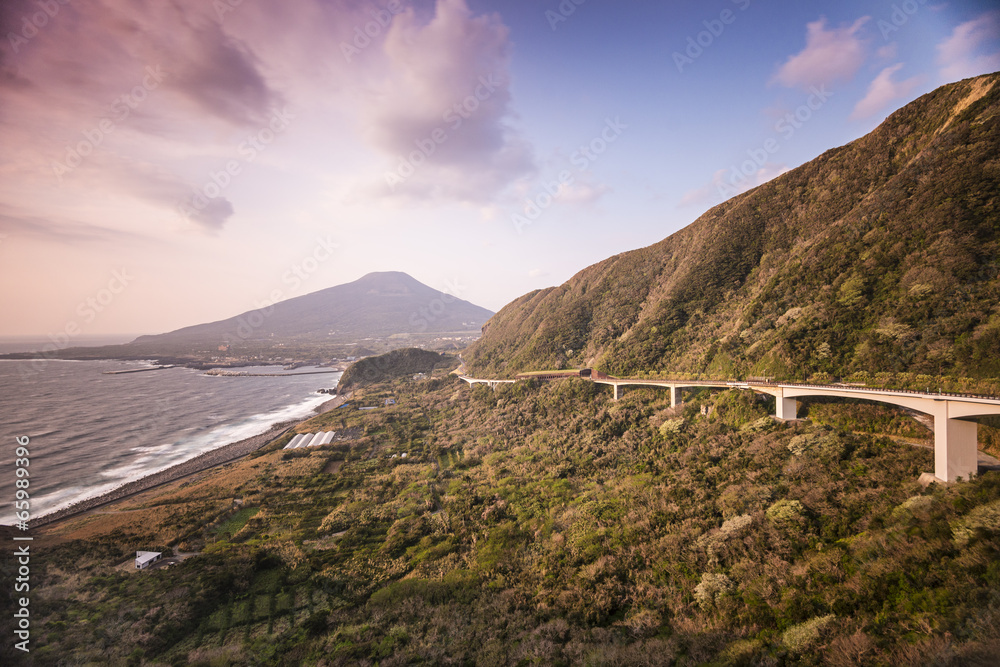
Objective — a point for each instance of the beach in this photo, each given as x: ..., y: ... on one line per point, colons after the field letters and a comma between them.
x: 92, y: 433
x: 216, y: 457
x: 211, y: 459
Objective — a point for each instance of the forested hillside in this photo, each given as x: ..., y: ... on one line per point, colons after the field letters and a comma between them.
x: 880, y: 255
x: 391, y: 365
x: 543, y: 524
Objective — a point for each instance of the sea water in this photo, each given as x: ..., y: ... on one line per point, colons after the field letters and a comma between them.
x: 91, y: 432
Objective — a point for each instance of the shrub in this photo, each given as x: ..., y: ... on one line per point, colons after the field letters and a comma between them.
x: 917, y: 506
x: 643, y: 623
x: 712, y: 587
x: 985, y: 518
x: 761, y: 425
x: 800, y: 637
x: 785, y: 511
x: 821, y: 443
x: 736, y: 526
x: 672, y: 426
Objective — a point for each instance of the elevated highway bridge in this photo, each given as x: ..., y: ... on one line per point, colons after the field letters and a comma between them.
x: 955, y: 428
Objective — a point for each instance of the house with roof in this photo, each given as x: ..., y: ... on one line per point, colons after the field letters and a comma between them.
x: 144, y: 559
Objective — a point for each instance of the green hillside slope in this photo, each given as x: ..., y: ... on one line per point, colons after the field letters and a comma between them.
x: 395, y: 364
x: 878, y: 255
x: 540, y: 525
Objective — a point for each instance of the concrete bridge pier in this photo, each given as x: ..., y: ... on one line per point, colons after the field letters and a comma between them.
x: 955, y: 449
x: 492, y: 384
x: 676, y: 398
x: 785, y: 408
x: 955, y: 435
x: 618, y: 391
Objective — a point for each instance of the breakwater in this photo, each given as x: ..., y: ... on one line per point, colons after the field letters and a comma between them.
x: 217, y: 372
x: 139, y: 370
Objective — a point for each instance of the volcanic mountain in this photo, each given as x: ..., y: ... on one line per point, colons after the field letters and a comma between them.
x: 376, y: 305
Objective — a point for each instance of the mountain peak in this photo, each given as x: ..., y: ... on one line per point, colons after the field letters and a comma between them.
x: 386, y: 275
x: 381, y: 303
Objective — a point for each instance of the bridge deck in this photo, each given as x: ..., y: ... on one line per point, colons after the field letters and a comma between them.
x: 955, y: 436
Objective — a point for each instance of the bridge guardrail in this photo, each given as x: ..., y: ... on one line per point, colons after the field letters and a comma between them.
x: 803, y: 385
x: 874, y: 389
x: 755, y: 383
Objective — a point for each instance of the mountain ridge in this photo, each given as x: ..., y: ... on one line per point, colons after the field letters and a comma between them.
x: 377, y: 304
x: 879, y: 254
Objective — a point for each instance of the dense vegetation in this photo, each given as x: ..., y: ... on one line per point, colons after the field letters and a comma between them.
x: 392, y: 365
x: 878, y: 256
x: 545, y: 524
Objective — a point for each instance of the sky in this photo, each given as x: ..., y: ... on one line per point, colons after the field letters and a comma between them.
x: 164, y: 164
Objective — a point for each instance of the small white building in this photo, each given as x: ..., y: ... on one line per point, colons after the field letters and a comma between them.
x: 144, y: 559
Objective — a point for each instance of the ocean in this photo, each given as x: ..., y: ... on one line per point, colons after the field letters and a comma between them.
x: 91, y: 432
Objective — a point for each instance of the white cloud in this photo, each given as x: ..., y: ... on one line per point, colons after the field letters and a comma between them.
x: 581, y: 193
x: 830, y: 55
x: 972, y: 49
x: 882, y: 91
x: 442, y: 115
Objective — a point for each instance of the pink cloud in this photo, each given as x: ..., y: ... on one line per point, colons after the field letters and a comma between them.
x: 444, y: 108
x: 93, y: 50
x: 830, y: 55
x: 221, y: 70
x: 98, y: 84
x: 882, y: 91
x: 887, y: 52
x: 972, y: 49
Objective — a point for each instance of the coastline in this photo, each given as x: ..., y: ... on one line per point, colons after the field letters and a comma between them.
x: 216, y: 457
